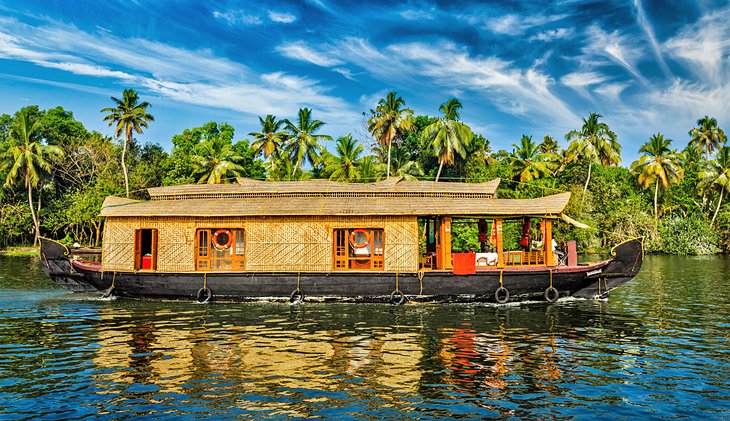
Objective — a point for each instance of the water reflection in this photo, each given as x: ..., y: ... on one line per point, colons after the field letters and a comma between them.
x: 657, y: 348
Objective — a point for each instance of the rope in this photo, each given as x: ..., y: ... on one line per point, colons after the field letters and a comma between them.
x: 500, y: 279
x: 114, y: 277
x: 205, y: 280
x: 299, y: 277
x: 551, y: 278
x: 396, y: 283
x: 421, y: 274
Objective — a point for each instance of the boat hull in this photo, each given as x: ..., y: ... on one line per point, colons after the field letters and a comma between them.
x: 522, y: 283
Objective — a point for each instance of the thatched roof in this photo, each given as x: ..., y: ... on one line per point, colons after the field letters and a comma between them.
x: 549, y: 206
x: 392, y: 187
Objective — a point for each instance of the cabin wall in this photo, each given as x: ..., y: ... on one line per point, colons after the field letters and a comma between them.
x: 273, y: 244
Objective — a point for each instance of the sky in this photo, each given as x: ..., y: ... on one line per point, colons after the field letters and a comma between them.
x: 534, y: 68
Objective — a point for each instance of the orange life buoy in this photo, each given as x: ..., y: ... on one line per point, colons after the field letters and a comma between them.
x: 222, y: 247
x: 356, y: 244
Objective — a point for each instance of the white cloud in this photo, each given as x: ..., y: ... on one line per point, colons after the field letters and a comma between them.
x: 511, y: 24
x: 281, y: 17
x: 346, y: 73
x: 612, y: 91
x: 447, y: 67
x: 236, y: 17
x: 171, y: 72
x: 648, y: 29
x: 416, y: 14
x: 613, y: 46
x: 299, y: 50
x: 704, y: 48
x: 582, y: 79
x: 553, y: 34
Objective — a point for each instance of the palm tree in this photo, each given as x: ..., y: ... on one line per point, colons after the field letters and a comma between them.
x: 129, y: 116
x: 371, y: 169
x: 26, y: 157
x: 344, y: 164
x: 403, y: 166
x: 447, y: 136
x: 270, y: 139
x: 304, y: 142
x: 707, y: 136
x: 659, y: 164
x: 216, y: 161
x: 528, y: 161
x: 389, y: 121
x: 717, y: 173
x: 596, y: 142
x: 549, y: 145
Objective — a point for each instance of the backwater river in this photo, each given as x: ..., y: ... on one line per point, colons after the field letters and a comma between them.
x: 658, y: 348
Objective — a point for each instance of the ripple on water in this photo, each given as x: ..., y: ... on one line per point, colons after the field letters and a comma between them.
x: 657, y: 348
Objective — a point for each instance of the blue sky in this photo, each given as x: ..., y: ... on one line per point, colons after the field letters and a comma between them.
x: 519, y: 68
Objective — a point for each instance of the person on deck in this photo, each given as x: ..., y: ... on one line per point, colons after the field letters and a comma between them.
x: 559, y: 254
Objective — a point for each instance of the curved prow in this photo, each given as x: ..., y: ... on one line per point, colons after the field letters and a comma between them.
x: 626, y: 263
x: 56, y: 259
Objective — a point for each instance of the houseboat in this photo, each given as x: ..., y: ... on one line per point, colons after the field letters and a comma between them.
x: 389, y: 241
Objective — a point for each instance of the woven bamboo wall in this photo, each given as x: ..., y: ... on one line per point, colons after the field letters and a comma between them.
x: 301, y: 244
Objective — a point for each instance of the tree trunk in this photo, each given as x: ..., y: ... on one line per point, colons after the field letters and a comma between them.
x: 390, y: 143
x: 124, y: 166
x: 656, y: 193
x: 438, y: 174
x: 32, y: 213
x: 585, y: 188
x: 719, y: 202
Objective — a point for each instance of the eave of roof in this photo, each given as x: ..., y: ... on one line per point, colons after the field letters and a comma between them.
x: 548, y: 206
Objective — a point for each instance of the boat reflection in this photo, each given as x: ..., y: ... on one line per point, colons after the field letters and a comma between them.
x: 310, y: 354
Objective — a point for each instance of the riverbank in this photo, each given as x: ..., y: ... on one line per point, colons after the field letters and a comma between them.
x: 20, y: 251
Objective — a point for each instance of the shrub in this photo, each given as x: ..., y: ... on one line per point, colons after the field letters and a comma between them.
x: 688, y: 236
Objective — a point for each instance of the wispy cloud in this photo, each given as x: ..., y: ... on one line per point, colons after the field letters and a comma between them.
x: 511, y: 24
x: 417, y: 14
x: 615, y: 47
x: 281, y: 17
x: 580, y: 81
x: 172, y: 72
x: 299, y: 50
x: 704, y: 48
x: 553, y: 34
x: 648, y: 29
x: 237, y: 17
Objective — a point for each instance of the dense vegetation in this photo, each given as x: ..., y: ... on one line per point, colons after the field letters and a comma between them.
x: 56, y: 173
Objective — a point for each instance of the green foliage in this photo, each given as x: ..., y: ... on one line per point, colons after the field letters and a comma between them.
x: 688, y: 236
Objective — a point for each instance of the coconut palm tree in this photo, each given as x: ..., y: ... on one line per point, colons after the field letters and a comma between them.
x: 216, y: 161
x: 707, y: 136
x: 596, y: 142
x: 403, y: 166
x: 271, y: 138
x: 130, y: 116
x: 344, y: 164
x: 447, y: 136
x: 549, y: 145
x: 389, y: 121
x: 717, y: 174
x: 371, y: 169
x: 26, y: 157
x: 528, y: 161
x: 659, y: 165
x: 304, y: 142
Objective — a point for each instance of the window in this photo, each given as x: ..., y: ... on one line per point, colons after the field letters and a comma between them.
x: 220, y: 249
x: 145, y: 249
x: 358, y: 249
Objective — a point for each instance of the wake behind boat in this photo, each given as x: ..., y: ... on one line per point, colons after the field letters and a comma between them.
x: 320, y: 240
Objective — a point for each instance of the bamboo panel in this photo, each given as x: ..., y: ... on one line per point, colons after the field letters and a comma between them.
x: 274, y: 244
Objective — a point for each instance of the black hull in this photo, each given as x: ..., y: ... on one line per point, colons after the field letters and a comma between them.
x: 593, y: 281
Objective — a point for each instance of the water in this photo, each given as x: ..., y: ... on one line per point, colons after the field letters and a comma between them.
x: 657, y: 349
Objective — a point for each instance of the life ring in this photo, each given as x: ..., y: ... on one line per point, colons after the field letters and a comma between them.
x: 552, y: 295
x: 501, y: 295
x: 297, y: 296
x: 204, y: 295
x: 222, y: 247
x: 397, y: 298
x: 359, y: 245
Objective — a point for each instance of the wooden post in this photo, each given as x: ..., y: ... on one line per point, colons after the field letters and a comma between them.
x: 549, y: 256
x: 446, y: 242
x: 500, y: 254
